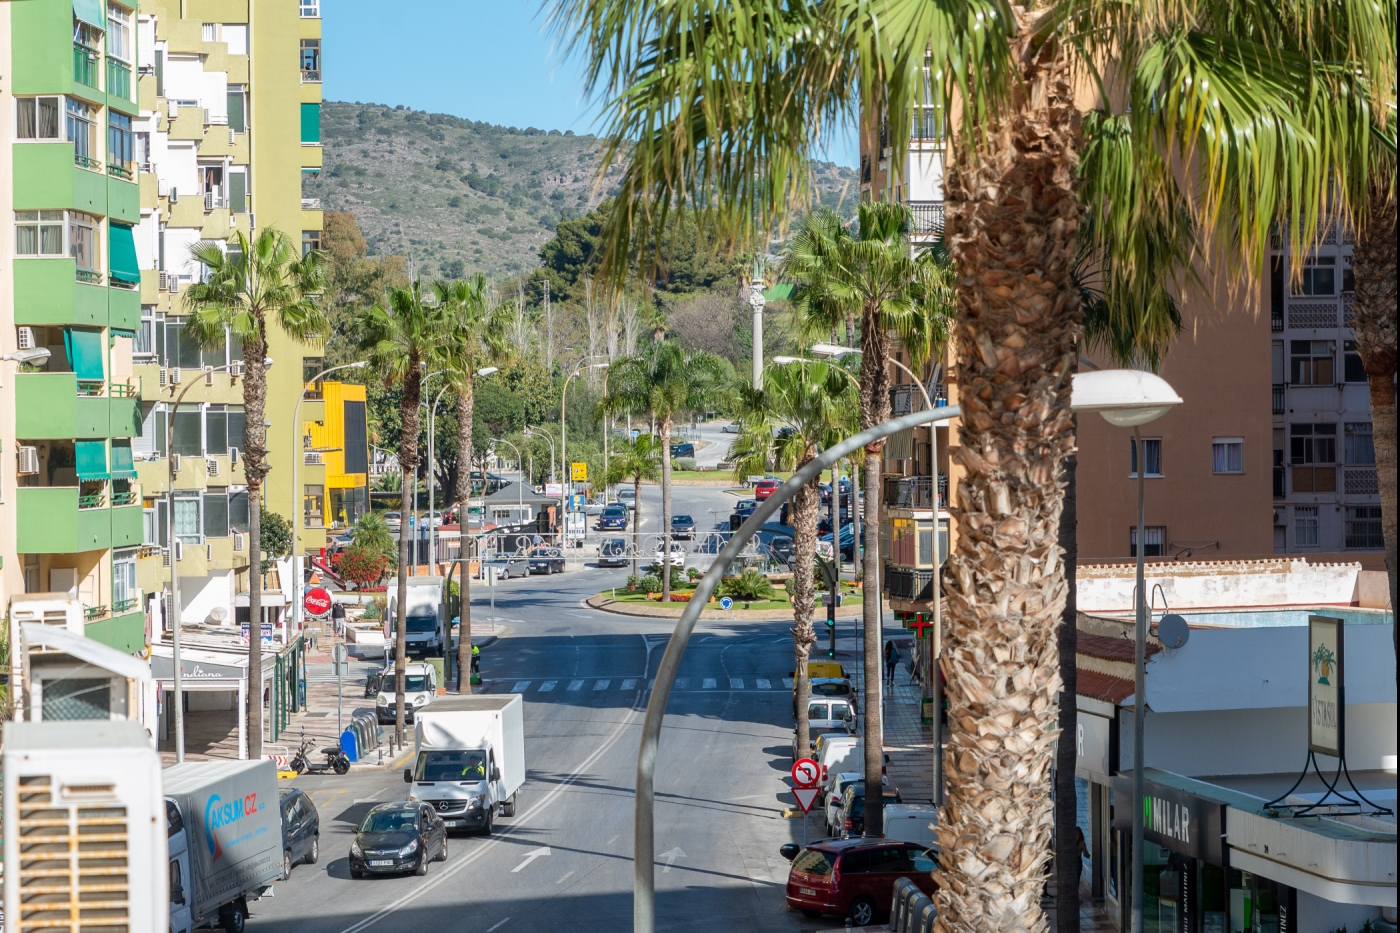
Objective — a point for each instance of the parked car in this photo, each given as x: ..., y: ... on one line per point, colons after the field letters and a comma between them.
x: 394, y: 521
x: 830, y: 714
x: 547, y: 560
x: 824, y: 679
x: 854, y: 878
x: 627, y: 495
x: 742, y: 510
x: 613, y: 517
x: 684, y: 449
x: 765, y: 488
x: 612, y: 552
x: 848, y: 538
x: 835, y: 787
x: 678, y: 553
x: 731, y: 428
x: 814, y: 734
x: 398, y: 837
x: 850, y: 816
x: 506, y: 566
x: 683, y: 526
x: 301, y: 830
x: 595, y: 506
x: 419, y: 688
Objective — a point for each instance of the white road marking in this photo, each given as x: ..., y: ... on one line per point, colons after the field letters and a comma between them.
x: 602, y: 685
x: 629, y: 684
x: 564, y: 877
x: 787, y: 682
x: 547, y: 686
x: 530, y: 857
x: 520, y: 686
x: 612, y: 840
x: 682, y: 683
x: 670, y: 856
x: 709, y: 683
x: 575, y: 685
x: 763, y: 683
x: 499, y: 925
x: 736, y: 683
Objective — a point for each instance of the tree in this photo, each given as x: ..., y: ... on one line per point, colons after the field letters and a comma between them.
x: 802, y: 408
x: 362, y: 566
x: 663, y: 382
x: 636, y: 459
x: 401, y: 337
x: 371, y: 533
x: 255, y: 285
x: 477, y: 327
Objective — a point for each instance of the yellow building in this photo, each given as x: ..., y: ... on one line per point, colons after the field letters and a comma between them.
x: 340, y: 444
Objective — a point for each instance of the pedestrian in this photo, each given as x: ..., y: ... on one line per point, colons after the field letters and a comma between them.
x: 476, y: 659
x: 891, y: 662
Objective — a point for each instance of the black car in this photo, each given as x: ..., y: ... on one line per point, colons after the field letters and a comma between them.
x: 682, y: 526
x: 547, y: 560
x: 613, y: 552
x: 398, y: 837
x: 614, y: 517
x: 301, y: 830
x: 686, y: 449
x: 853, y: 806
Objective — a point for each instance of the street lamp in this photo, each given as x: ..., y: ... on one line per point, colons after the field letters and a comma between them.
x: 520, y: 472
x: 756, y: 302
x: 432, y: 450
x: 298, y: 500
x: 531, y: 432
x: 31, y: 357
x: 1129, y: 398
x: 564, y: 430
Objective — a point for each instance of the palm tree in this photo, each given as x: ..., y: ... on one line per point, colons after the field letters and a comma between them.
x: 371, y: 533
x: 251, y: 286
x: 872, y: 276
x: 401, y: 337
x: 477, y: 336
x: 663, y: 382
x: 817, y: 404
x: 636, y: 460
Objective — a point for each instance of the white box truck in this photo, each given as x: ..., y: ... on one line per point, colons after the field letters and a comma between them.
x: 469, y: 758
x: 425, y: 629
x: 84, y: 827
x: 225, y: 828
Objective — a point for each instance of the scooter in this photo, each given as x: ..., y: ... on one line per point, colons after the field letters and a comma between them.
x: 336, y: 759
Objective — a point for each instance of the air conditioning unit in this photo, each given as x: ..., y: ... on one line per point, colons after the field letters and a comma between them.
x: 162, y: 283
x: 165, y: 559
x: 175, y: 462
x: 25, y: 336
x: 174, y: 375
x: 172, y: 108
x: 231, y: 138
x: 208, y: 375
x: 211, y: 466
x: 206, y: 116
x: 174, y: 282
x: 1279, y: 518
x: 174, y: 195
x: 179, y: 549
x: 164, y: 373
x: 235, y: 369
x: 208, y: 552
x: 313, y: 458
x: 28, y: 458
x: 211, y: 200
x: 81, y: 795
x: 233, y: 456
x: 238, y: 540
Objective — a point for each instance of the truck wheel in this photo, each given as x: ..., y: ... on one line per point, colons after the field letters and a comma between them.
x: 490, y: 812
x: 234, y: 917
x: 508, y: 808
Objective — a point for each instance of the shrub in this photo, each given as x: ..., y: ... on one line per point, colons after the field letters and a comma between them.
x: 683, y: 463
x: 692, y: 573
x: 750, y: 586
x: 363, y: 567
x: 650, y: 584
x: 632, y: 581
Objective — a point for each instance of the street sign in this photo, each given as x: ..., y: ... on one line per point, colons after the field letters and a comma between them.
x: 579, y: 472
x: 338, y: 653
x: 805, y: 797
x: 317, y: 601
x: 726, y: 603
x: 806, y: 772
x: 636, y: 434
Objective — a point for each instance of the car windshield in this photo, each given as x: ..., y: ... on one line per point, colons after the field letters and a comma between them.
x: 416, y: 623
x: 450, y: 766
x: 390, y: 821
x: 831, y: 690
x: 681, y: 520
x: 614, y: 546
x: 412, y: 683
x: 814, y: 862
x: 614, y: 511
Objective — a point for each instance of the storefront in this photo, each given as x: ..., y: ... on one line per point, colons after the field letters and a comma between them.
x: 1095, y: 763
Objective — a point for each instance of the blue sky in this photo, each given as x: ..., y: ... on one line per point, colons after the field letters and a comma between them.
x: 489, y: 60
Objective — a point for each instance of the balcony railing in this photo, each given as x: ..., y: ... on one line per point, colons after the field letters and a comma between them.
x: 1312, y: 314
x: 118, y: 78
x: 118, y: 170
x: 311, y: 204
x: 123, y: 606
x: 1360, y: 481
x: 908, y: 583
x: 91, y: 388
x: 87, y: 162
x: 95, y: 500
x: 310, y: 75
x: 915, y: 492
x: 928, y: 217
x: 125, y: 390
x: 89, y: 277
x: 85, y: 65
x: 1279, y: 390
x: 907, y: 397
x: 1276, y: 318
x: 93, y: 613
x: 129, y: 497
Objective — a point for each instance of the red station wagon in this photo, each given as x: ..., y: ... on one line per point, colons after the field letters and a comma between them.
x: 764, y: 488
x: 854, y: 878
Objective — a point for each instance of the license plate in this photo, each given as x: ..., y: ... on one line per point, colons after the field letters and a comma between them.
x: 455, y: 822
x: 381, y: 863
x: 807, y: 891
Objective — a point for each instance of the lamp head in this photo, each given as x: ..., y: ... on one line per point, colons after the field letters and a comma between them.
x: 31, y: 357
x: 360, y: 365
x: 1125, y: 397
x: 831, y: 349
x: 488, y: 370
x: 267, y: 362
x: 784, y: 360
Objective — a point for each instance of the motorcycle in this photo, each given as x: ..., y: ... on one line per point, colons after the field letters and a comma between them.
x: 336, y: 759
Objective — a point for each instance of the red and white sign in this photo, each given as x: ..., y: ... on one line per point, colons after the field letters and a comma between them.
x: 317, y: 601
x: 805, y: 797
x: 805, y: 772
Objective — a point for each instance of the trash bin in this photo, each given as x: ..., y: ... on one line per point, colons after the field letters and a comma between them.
x: 349, y: 746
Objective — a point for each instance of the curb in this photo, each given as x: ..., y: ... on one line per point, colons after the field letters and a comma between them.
x: 607, y: 604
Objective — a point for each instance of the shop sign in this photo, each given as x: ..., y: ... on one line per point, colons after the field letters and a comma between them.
x: 1177, y: 819
x: 1326, y: 704
x: 1093, y: 746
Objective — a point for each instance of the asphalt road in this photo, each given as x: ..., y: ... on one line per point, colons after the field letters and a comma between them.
x: 721, y: 782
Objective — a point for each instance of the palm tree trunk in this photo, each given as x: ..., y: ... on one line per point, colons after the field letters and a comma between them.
x: 804, y: 545
x: 1012, y: 228
x: 1373, y: 263
x: 408, y: 464
x: 666, y: 509
x: 1066, y: 790
x: 255, y: 468
x: 465, y: 403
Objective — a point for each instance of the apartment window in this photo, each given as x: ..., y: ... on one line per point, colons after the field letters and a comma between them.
x: 1360, y: 448
x: 1305, y: 525
x: 121, y: 144
x: 125, y: 590
x: 310, y: 9
x: 237, y: 427
x: 1154, y: 541
x: 310, y: 239
x: 181, y: 349
x: 1319, y: 277
x: 150, y: 335
x: 188, y: 440
x: 151, y: 443
x: 1152, y: 451
x: 212, y: 32
x: 238, y: 510
x: 213, y: 182
x: 82, y: 240
x: 1353, y: 370
x: 82, y: 132
x: 1313, y: 453
x: 311, y: 59
x: 216, y: 513
x: 236, y: 38
x: 1227, y: 455
x: 314, y: 506
x: 1363, y: 529
x: 311, y: 367
x: 119, y: 32
x: 39, y: 233
x: 238, y: 108
x: 187, y: 517
x: 31, y: 574
x: 1311, y: 362
x: 238, y: 190
x: 37, y: 117
x: 216, y: 430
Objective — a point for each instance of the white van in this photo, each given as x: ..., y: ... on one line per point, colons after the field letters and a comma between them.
x: 912, y: 822
x: 838, y: 754
x: 420, y: 689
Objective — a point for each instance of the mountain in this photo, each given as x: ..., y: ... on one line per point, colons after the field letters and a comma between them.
x: 459, y: 196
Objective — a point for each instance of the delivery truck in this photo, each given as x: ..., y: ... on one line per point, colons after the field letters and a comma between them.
x: 225, y: 831
x: 469, y: 758
x: 425, y: 631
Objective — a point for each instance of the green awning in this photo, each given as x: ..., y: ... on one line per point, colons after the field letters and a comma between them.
x: 92, y: 12
x: 311, y: 123
x: 122, y: 254
x: 116, y: 332
x: 85, y: 352
x: 123, y: 466
x: 92, y: 459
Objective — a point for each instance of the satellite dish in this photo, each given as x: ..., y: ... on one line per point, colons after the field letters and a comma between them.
x: 219, y: 614
x: 1173, y: 630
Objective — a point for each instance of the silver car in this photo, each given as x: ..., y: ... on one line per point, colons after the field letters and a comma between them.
x: 506, y: 566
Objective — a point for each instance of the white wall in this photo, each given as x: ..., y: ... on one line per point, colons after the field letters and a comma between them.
x: 184, y: 76
x: 1316, y: 915
x: 925, y: 182
x: 147, y: 236
x: 1215, y: 584
x: 199, y: 596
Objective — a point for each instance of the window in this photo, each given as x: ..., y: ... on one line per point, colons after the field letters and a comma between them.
x: 39, y: 233
x: 151, y: 443
x: 238, y: 108
x: 1360, y: 448
x: 37, y: 117
x: 212, y: 32
x: 118, y: 32
x: 1319, y: 277
x: 311, y: 124
x: 310, y: 239
x: 1154, y: 537
x: 82, y: 240
x: 121, y: 145
x: 238, y: 511
x: 187, y: 523
x: 311, y: 59
x: 238, y: 190
x: 1364, y: 527
x: 1353, y: 370
x: 1305, y: 525
x: 236, y: 38
x: 216, y: 513
x: 1152, y: 450
x: 125, y: 591
x: 237, y: 427
x: 216, y: 430
x: 150, y: 336
x: 1311, y: 362
x: 311, y: 367
x: 187, y: 441
x: 1227, y: 455
x: 310, y: 9
x: 1311, y: 446
x: 212, y: 177
x: 82, y: 132
x: 314, y: 506
x: 31, y: 574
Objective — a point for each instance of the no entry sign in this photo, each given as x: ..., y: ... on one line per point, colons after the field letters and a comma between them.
x: 317, y: 601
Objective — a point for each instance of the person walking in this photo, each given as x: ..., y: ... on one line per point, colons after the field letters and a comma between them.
x: 891, y: 662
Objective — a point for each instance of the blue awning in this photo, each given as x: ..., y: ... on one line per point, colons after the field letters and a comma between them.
x: 123, y: 466
x: 92, y: 12
x: 91, y: 457
x: 85, y: 353
x: 121, y: 253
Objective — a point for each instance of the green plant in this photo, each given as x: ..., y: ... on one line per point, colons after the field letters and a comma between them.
x: 650, y: 584
x: 274, y: 539
x: 371, y: 533
x: 692, y: 573
x: 372, y: 612
x: 364, y: 567
x: 632, y: 581
x: 750, y: 586
x: 686, y: 464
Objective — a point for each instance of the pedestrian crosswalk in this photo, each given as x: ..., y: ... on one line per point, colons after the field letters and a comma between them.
x: 746, y: 684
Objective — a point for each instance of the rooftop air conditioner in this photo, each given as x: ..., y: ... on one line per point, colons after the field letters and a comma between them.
x: 172, y: 108
x: 179, y: 549
x: 162, y: 283
x: 238, y: 540
x: 235, y: 369
x: 208, y: 552
x: 164, y: 373
x: 173, y: 376
x: 26, y: 338
x: 28, y: 458
x: 211, y: 466
x: 233, y: 456
x: 174, y: 196
x: 175, y: 462
x: 211, y: 200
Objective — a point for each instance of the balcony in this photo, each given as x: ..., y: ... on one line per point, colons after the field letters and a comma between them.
x: 908, y: 397
x: 59, y: 520
x: 311, y: 204
x: 928, y: 217
x: 1312, y: 314
x: 908, y: 584
x: 915, y: 492
x: 85, y: 69
x: 1280, y: 490
x: 126, y: 172
x: 1276, y: 319
x: 1360, y: 481
x: 57, y: 406
x: 118, y: 78
x: 1279, y: 393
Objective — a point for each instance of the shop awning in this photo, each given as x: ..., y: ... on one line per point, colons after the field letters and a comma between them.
x: 123, y: 466
x: 122, y: 254
x: 91, y: 12
x: 92, y: 460
x: 84, y: 352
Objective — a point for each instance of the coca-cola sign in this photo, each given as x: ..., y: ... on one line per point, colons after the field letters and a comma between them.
x: 317, y: 601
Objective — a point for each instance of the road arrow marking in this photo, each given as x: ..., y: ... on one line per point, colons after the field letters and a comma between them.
x: 530, y: 857
x: 670, y: 857
x: 564, y: 877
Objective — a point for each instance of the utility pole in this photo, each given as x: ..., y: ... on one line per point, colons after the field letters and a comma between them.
x: 548, y: 331
x: 757, y: 301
